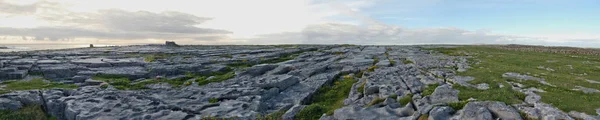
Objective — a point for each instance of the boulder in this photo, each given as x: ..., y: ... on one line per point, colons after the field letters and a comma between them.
x: 489, y: 110
x: 441, y: 113
x: 444, y: 94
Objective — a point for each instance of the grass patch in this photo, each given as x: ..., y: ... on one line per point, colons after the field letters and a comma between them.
x: 375, y: 60
x: 327, y: 99
x: 407, y: 61
x: 213, y: 100
x: 273, y: 116
x: 361, y: 88
x: 123, y: 83
x: 429, y: 90
x: 218, y: 77
x: 226, y: 55
x: 34, y: 84
x: 372, y: 68
x: 424, y: 117
x: 29, y: 112
x: 458, y: 105
x: 406, y: 99
x: 495, y: 62
x: 240, y: 65
x: 375, y: 101
x: 154, y: 57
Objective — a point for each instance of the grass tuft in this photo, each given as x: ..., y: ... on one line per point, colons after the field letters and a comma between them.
x: 406, y: 99
x: 430, y: 89
x: 34, y: 84
x: 327, y: 99
x: 375, y: 101
x: 29, y: 112
x: 458, y: 105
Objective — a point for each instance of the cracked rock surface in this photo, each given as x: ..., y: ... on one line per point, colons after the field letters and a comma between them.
x: 263, y: 87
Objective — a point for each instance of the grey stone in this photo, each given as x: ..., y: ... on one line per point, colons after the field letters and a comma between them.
x: 8, y: 104
x: 586, y: 90
x: 444, y: 94
x: 92, y: 82
x: 291, y: 113
x: 583, y: 116
x: 489, y: 110
x: 441, y: 113
x: 159, y: 86
x: 259, y: 69
x: 483, y: 86
x: 278, y: 81
x: 80, y: 79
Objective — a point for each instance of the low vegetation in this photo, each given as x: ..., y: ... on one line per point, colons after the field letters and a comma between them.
x: 375, y: 101
x: 29, y: 112
x: 327, y: 99
x: 566, y: 72
x: 34, y: 84
x: 429, y: 90
x: 458, y: 105
x: 123, y: 83
x: 405, y: 99
x: 154, y: 57
x: 273, y: 116
x: 407, y: 61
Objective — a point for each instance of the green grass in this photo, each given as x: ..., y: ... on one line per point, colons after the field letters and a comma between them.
x: 213, y: 100
x: 123, y: 83
x: 34, y: 84
x: 495, y: 62
x: 458, y: 105
x: 406, y: 99
x: 372, y: 68
x: 273, y: 116
x: 154, y: 57
x: 375, y: 101
x: 29, y: 112
x: 375, y: 60
x: 218, y: 78
x: 226, y: 55
x: 429, y: 90
x: 361, y: 88
x: 240, y: 65
x: 327, y: 99
x: 407, y: 61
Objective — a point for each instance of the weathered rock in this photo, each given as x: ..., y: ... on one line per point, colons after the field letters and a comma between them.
x: 8, y: 104
x: 92, y: 82
x: 159, y: 86
x: 441, y: 113
x: 291, y: 113
x: 444, y: 94
x: 489, y: 110
x: 278, y: 81
x: 586, y: 90
x: 259, y: 69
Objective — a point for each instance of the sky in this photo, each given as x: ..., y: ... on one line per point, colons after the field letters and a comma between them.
x: 378, y: 22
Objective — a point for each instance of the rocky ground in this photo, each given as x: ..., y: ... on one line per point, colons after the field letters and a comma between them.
x: 257, y: 82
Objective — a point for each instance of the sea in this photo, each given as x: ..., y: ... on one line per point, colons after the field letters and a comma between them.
x: 31, y: 47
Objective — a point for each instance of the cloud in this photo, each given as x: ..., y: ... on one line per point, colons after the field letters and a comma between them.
x: 9, y: 8
x: 335, y: 33
x: 68, y: 33
x: 120, y: 24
